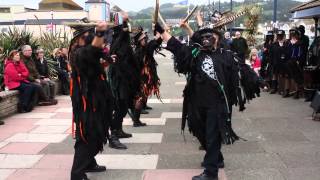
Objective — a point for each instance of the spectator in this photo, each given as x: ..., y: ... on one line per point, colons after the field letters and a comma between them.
x: 15, y: 78
x: 227, y: 40
x: 255, y: 61
x: 43, y: 69
x: 304, y: 41
x: 295, y: 74
x: 62, y: 69
x: 239, y: 45
x: 34, y: 76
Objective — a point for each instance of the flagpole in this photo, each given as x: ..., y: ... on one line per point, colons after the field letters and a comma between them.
x: 188, y: 22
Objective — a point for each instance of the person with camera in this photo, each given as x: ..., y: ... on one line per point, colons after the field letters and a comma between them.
x: 61, y: 67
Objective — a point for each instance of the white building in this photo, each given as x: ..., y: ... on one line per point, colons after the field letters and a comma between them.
x: 51, y: 15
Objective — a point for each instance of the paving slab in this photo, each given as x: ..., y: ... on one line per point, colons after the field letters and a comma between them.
x: 5, y: 173
x: 23, y: 148
x: 144, y: 138
x: 50, y: 129
x: 45, y: 138
x: 40, y: 174
x: 12, y: 161
x: 128, y: 161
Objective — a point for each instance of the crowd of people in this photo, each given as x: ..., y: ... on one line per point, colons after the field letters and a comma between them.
x: 27, y: 71
x: 288, y: 67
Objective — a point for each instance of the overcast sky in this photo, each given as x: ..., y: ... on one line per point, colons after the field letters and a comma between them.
x: 127, y: 5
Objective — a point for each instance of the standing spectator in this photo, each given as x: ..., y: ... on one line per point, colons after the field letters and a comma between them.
x: 43, y: 70
x: 295, y: 74
x: 279, y: 58
x: 240, y: 46
x: 34, y: 76
x: 15, y: 78
x: 227, y: 40
x: 304, y: 41
x: 255, y: 61
x: 62, y: 69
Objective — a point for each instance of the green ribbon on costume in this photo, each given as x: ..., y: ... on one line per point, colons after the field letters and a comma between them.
x: 195, y: 52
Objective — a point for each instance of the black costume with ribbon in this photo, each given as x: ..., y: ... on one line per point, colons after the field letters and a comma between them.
x: 211, y: 89
x: 91, y: 103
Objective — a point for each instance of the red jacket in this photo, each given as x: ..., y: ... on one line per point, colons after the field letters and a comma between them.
x: 15, y: 73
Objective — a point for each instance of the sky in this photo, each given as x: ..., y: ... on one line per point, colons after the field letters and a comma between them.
x: 127, y: 5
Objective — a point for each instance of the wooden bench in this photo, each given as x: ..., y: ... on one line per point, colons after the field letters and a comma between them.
x: 8, y: 103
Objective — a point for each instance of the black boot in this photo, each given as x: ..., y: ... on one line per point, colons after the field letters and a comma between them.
x: 297, y: 95
x: 121, y: 134
x: 115, y: 143
x: 286, y: 93
x: 274, y: 86
x: 144, y: 111
x: 204, y: 176
x: 136, y: 119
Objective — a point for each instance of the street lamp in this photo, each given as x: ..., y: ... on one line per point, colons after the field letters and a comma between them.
x: 275, y: 7
x: 51, y: 12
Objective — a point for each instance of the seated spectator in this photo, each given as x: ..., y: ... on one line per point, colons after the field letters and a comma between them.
x: 43, y: 70
x: 15, y: 78
x: 34, y: 76
x: 255, y: 61
x: 62, y: 69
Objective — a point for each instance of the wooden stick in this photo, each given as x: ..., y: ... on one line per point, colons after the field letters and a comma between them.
x: 190, y: 14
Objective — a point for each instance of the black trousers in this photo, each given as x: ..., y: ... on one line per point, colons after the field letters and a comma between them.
x: 64, y: 78
x: 120, y: 111
x: 213, y: 159
x: 26, y: 94
x: 84, y: 158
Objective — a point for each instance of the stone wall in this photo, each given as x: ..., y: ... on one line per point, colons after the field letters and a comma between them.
x: 8, y: 103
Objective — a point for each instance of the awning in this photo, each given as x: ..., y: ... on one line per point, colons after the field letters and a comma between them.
x: 307, y: 10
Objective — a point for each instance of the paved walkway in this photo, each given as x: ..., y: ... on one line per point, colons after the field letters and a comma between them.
x: 283, y: 142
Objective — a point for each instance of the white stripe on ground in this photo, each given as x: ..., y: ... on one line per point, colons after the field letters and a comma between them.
x: 144, y: 138
x: 128, y: 161
x: 149, y: 121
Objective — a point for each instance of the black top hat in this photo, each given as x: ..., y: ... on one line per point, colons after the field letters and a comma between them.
x: 79, y: 29
x: 139, y: 36
x: 269, y: 33
x: 294, y: 31
x: 281, y: 32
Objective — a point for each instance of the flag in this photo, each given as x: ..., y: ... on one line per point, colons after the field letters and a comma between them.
x: 49, y: 27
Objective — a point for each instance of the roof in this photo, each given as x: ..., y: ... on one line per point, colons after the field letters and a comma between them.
x: 116, y: 9
x: 307, y: 10
x: 36, y: 22
x: 59, y: 5
x: 306, y: 5
x: 96, y: 1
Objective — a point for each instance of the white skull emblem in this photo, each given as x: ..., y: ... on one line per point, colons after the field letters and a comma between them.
x: 208, y: 67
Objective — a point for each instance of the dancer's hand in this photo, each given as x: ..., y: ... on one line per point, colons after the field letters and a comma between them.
x: 101, y: 26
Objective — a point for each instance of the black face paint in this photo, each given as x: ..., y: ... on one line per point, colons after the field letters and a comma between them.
x: 207, y: 40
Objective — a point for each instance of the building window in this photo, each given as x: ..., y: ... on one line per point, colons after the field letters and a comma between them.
x: 4, y: 10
